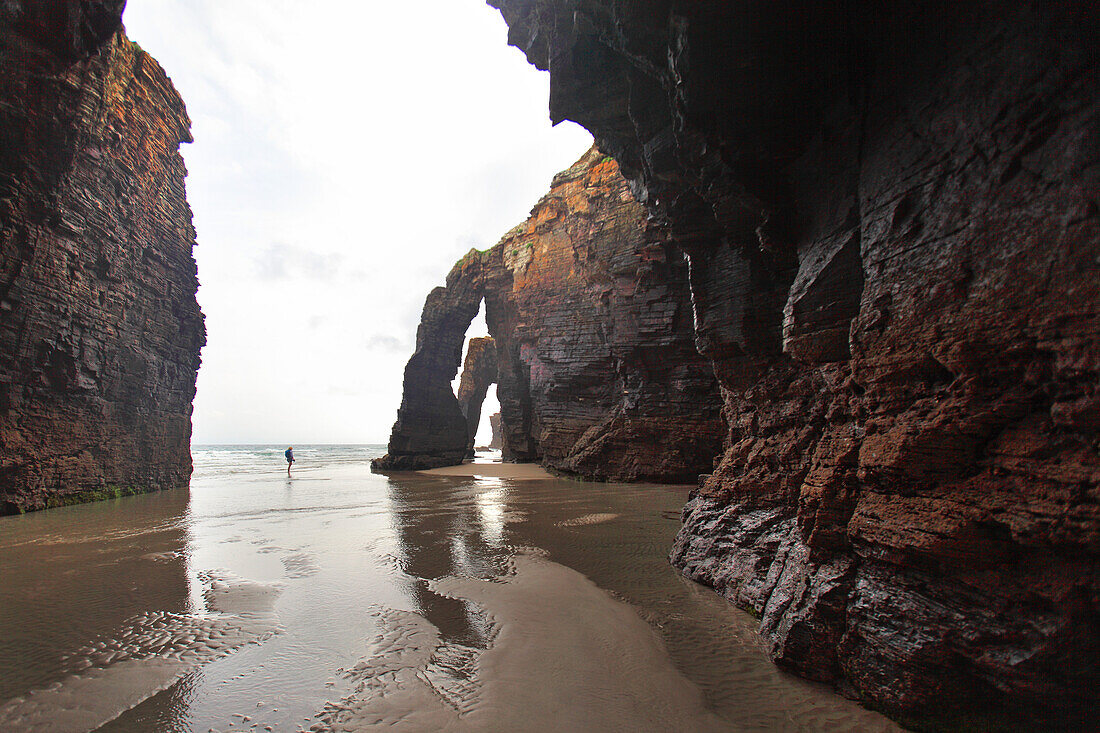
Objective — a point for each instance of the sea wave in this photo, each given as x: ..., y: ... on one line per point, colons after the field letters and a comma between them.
x: 245, y: 459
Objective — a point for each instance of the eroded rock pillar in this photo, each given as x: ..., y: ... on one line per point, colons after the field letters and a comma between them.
x: 478, y: 373
x: 431, y: 428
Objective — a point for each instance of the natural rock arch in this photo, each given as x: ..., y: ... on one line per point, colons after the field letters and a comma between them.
x: 596, y: 369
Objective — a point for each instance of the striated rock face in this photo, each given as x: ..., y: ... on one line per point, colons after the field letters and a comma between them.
x: 597, y: 322
x: 596, y: 370
x: 478, y: 372
x: 99, y: 327
x: 891, y: 215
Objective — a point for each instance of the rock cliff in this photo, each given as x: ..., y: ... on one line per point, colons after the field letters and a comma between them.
x: 590, y: 313
x: 99, y: 327
x: 891, y: 217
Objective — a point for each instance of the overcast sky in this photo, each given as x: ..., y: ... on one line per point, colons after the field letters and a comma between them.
x: 346, y: 154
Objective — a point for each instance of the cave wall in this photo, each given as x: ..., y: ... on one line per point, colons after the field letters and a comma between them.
x: 99, y: 327
x: 891, y: 217
x: 596, y: 371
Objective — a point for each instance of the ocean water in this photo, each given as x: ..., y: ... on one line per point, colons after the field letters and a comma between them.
x: 338, y: 599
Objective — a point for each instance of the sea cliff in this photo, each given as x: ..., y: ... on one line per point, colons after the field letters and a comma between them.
x: 99, y: 327
x: 890, y: 213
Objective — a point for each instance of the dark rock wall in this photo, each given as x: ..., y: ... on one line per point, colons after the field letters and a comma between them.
x: 431, y: 429
x: 891, y: 216
x: 99, y: 327
x: 596, y: 370
x: 67, y: 30
x: 479, y: 371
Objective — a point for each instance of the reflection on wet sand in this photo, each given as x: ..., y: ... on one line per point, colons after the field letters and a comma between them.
x: 69, y: 574
x: 565, y: 655
x: 106, y: 579
x: 438, y: 539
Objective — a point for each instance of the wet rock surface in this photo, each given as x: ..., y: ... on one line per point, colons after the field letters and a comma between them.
x: 891, y: 217
x: 589, y: 308
x: 99, y: 327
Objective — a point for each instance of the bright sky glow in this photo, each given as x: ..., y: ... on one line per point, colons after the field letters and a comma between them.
x: 346, y: 155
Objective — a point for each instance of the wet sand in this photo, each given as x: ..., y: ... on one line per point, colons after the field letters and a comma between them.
x: 495, y: 469
x: 342, y: 600
x: 566, y: 656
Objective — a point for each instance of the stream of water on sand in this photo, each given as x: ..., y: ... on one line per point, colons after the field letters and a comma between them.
x: 342, y: 600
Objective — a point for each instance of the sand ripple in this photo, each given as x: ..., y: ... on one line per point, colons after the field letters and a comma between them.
x: 578, y: 659
x: 150, y: 652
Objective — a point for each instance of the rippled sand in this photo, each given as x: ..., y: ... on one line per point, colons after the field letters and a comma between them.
x: 565, y: 655
x: 148, y: 654
x: 341, y: 600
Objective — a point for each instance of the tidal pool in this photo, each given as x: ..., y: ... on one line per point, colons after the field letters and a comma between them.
x: 341, y: 600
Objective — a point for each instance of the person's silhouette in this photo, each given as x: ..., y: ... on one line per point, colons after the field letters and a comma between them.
x: 289, y: 459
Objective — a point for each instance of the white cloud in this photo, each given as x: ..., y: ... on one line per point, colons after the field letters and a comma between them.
x: 346, y: 155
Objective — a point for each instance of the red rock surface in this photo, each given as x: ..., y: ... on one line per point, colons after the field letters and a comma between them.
x: 99, y: 328
x: 597, y: 373
x: 891, y: 214
x: 596, y: 322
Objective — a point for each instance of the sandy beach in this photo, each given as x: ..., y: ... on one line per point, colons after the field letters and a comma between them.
x: 469, y: 598
x: 494, y: 469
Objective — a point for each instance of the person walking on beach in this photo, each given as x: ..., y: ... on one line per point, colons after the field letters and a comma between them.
x: 289, y: 458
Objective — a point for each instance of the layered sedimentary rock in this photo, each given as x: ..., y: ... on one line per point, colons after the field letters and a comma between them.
x: 891, y: 215
x: 597, y: 322
x: 589, y: 309
x: 99, y: 327
x: 479, y: 372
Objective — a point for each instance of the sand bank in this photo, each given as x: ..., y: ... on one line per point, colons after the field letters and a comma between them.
x: 514, y: 471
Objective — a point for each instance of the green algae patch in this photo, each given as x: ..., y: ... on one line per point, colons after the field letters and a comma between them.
x: 102, y: 493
